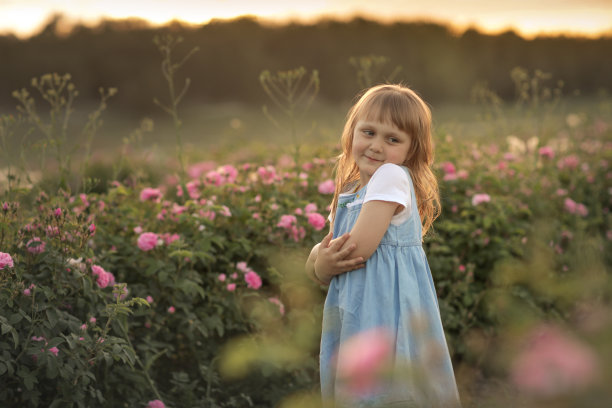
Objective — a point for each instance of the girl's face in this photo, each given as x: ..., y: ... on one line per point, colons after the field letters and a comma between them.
x: 376, y: 143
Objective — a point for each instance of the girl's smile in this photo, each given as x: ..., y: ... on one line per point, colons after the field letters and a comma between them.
x: 377, y: 143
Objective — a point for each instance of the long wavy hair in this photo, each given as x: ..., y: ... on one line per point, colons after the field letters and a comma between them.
x: 404, y: 109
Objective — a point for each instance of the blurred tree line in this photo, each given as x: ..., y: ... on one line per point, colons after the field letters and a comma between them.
x: 440, y: 64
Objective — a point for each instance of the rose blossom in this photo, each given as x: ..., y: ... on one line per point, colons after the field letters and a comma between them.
x: 36, y: 249
x: 287, y: 221
x: 480, y: 198
x: 547, y: 152
x: 553, y: 363
x: 171, y: 309
x: 155, y: 404
x: 362, y: 360
x: 327, y: 187
x: 311, y: 207
x: 253, y: 280
x: 316, y: 220
x: 153, y: 194
x: 5, y: 261
x: 231, y: 287
x: 147, y: 241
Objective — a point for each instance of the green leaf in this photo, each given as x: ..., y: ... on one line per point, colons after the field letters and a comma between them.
x: 53, y: 316
x: 181, y: 253
x: 15, y: 318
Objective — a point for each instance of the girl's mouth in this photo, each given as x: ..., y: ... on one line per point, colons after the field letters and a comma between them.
x: 371, y: 159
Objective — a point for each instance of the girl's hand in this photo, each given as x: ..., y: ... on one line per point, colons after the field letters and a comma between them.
x: 333, y: 258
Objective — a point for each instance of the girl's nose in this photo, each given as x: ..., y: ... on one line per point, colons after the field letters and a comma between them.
x: 376, y: 145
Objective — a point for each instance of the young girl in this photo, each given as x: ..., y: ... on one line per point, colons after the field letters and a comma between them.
x: 386, y: 199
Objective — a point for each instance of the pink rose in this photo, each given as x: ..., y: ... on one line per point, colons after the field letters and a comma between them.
x: 242, y: 267
x: 546, y: 152
x: 149, y: 299
x: 171, y: 309
x: 287, y: 221
x: 231, y: 287
x: 311, y: 207
x: 553, y: 363
x: 448, y: 167
x: 57, y: 212
x: 327, y: 187
x: 362, y: 360
x: 5, y: 261
x: 155, y: 404
x: 147, y: 241
x: 153, y: 194
x: 36, y: 246
x: 253, y: 280
x: 480, y: 198
x: 54, y: 350
x: 570, y: 205
x: 316, y: 220
x: 222, y: 277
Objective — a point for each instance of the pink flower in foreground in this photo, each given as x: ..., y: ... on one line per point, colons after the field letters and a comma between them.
x: 147, y: 241
x: 155, y: 404
x: 54, y: 350
x: 253, y: 280
x: 231, y: 287
x: 171, y: 309
x: 316, y: 220
x: 153, y: 194
x: 480, y: 198
x: 363, y: 358
x: 36, y: 246
x: 5, y: 261
x: 327, y: 187
x: 222, y: 277
x: 553, y: 363
x: 547, y: 152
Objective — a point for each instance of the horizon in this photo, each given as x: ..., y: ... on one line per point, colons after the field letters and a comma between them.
x: 527, y: 18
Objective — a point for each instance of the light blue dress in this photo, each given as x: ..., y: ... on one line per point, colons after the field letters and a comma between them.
x: 394, y: 291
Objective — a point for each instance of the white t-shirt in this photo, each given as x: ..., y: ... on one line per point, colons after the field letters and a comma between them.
x: 390, y: 183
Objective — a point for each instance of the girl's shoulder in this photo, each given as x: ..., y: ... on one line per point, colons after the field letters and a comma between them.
x: 391, y: 172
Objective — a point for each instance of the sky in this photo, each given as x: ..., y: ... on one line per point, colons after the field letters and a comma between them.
x: 527, y: 17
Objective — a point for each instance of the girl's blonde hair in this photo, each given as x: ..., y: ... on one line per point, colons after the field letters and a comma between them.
x: 403, y: 108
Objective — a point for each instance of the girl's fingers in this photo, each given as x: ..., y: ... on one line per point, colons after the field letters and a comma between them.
x: 338, y: 242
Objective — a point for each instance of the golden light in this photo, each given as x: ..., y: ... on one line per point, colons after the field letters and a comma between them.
x: 584, y: 17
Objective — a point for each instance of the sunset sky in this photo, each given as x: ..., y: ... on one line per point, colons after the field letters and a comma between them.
x: 528, y: 17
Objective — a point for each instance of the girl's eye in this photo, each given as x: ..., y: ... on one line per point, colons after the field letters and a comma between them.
x: 393, y: 140
x: 368, y: 132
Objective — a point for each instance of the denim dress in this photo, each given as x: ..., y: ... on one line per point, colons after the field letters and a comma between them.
x: 394, y: 292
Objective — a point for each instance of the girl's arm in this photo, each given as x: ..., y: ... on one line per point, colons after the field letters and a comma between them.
x: 331, y: 257
x: 371, y: 225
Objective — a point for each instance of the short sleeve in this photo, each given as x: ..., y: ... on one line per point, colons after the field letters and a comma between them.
x: 389, y: 182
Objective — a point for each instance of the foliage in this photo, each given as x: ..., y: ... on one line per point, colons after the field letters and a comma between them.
x: 190, y: 291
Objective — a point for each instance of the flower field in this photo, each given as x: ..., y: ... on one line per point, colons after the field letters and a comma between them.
x: 190, y: 292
